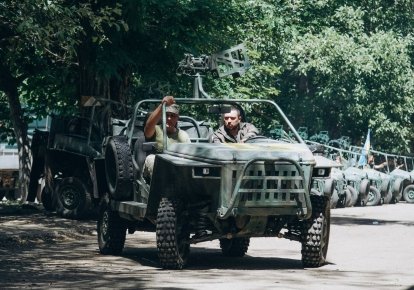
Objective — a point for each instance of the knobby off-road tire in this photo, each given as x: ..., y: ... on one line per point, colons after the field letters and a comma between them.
x: 172, y: 236
x: 119, y: 168
x: 354, y: 196
x: 374, y: 197
x: 236, y: 247
x: 111, y: 231
x: 72, y: 198
x: 408, y: 193
x: 315, y: 233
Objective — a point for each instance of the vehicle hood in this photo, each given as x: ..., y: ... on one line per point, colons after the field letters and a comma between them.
x: 233, y: 152
x: 402, y: 174
x: 355, y: 172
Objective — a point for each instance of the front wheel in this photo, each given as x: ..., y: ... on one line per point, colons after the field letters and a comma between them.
x: 73, y: 199
x: 374, y: 197
x: 236, y: 247
x: 354, y: 196
x: 111, y: 231
x: 408, y: 193
x: 172, y: 236
x: 315, y: 233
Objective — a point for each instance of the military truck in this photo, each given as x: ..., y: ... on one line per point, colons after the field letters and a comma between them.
x: 69, y: 157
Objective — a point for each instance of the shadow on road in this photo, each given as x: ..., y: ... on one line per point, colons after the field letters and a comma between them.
x: 205, y: 259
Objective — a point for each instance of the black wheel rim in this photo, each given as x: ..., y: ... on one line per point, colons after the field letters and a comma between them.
x: 70, y: 197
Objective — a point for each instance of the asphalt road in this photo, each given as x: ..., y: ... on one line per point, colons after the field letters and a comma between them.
x: 370, y: 248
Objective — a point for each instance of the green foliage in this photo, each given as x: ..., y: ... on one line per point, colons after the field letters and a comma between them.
x: 351, y: 75
x: 341, y: 66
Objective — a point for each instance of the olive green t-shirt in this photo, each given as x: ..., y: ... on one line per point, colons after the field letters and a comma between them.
x: 179, y: 136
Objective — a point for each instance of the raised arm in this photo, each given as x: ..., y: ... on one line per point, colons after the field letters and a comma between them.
x: 155, y: 117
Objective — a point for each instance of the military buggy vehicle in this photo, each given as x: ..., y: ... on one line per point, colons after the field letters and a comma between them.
x: 204, y: 191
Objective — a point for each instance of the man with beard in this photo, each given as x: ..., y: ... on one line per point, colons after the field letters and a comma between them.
x: 233, y: 129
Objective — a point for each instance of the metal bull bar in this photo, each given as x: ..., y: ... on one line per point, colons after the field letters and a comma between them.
x: 225, y: 212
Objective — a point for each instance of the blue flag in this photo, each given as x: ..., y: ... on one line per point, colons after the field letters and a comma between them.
x: 364, y: 152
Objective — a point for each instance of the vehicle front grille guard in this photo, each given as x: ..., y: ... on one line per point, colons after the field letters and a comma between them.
x: 225, y: 212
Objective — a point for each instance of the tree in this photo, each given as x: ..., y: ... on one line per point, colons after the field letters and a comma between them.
x: 37, y: 40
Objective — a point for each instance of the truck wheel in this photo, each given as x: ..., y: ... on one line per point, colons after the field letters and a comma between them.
x: 387, y: 197
x: 172, y: 238
x: 374, y: 196
x: 111, y: 231
x: 385, y: 187
x: 236, y: 247
x: 73, y: 199
x: 354, y: 196
x: 119, y: 168
x: 348, y: 200
x: 363, y: 192
x: 397, y: 190
x: 315, y: 233
x: 408, y: 193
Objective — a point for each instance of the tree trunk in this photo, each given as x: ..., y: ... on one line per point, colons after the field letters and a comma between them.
x: 9, y: 85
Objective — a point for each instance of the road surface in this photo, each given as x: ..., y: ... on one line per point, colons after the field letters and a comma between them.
x: 370, y: 248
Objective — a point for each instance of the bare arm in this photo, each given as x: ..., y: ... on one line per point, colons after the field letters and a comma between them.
x: 155, y: 117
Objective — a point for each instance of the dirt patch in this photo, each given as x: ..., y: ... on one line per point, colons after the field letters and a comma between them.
x: 24, y: 226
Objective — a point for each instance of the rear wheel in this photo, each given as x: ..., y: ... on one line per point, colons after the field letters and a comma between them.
x: 73, y: 199
x: 315, y: 234
x: 111, y: 231
x: 354, y: 195
x: 387, y: 197
x: 172, y: 236
x: 408, y: 193
x: 397, y: 189
x: 374, y: 197
x: 236, y: 247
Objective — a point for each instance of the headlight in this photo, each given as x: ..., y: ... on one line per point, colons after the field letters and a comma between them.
x: 321, y: 172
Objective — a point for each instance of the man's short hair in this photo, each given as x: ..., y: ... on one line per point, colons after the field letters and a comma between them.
x: 234, y: 108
